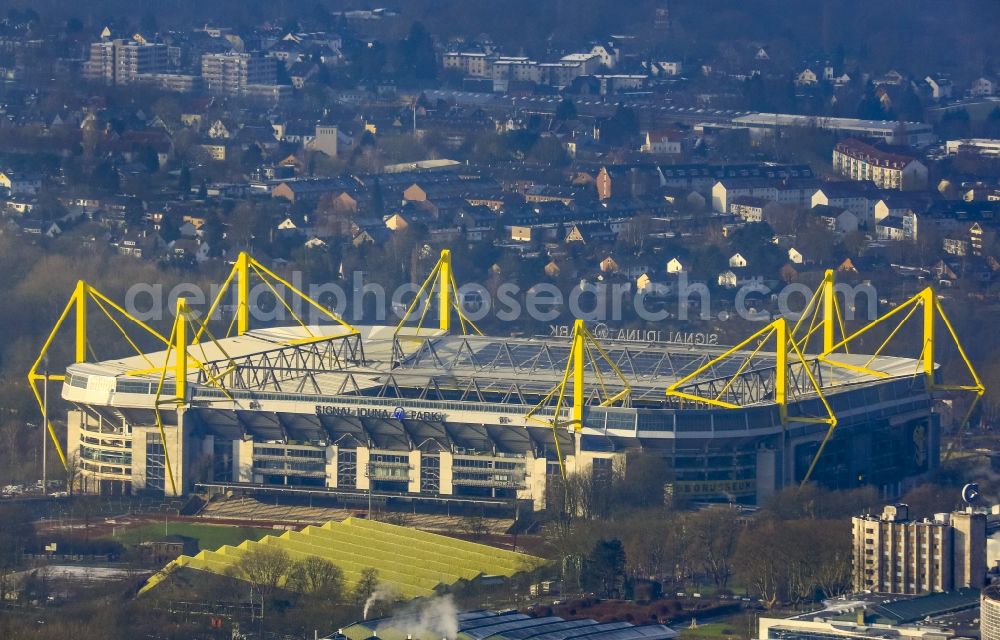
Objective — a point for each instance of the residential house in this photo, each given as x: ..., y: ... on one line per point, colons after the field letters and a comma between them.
x: 674, y: 266
x: 680, y: 196
x: 520, y: 233
x: 940, y: 87
x: 603, y: 184
x: 20, y: 184
x: 312, y: 189
x: 362, y: 237
x: 737, y: 261
x: 396, y: 222
x: 858, y: 197
x: 34, y: 227
x: 785, y: 191
x: 727, y: 279
x: 836, y: 219
x: 663, y: 142
x: 218, y: 131
x: 890, y: 229
x: 983, y: 87
x: 189, y: 249
x: 748, y: 208
x: 806, y: 78
x: 795, y: 256
x: 214, y: 150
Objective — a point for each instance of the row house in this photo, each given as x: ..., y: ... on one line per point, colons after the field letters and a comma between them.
x: 797, y: 192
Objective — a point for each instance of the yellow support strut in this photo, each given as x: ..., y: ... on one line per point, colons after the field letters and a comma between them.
x: 180, y: 345
x: 578, y: 364
x: 828, y: 310
x: 77, y: 303
x: 242, y: 272
x: 80, y: 295
x: 929, y: 300
x: 444, y: 295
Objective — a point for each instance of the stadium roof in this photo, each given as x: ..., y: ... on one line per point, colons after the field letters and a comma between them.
x: 492, y: 364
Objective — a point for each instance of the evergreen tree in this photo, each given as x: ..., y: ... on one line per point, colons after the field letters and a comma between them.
x: 566, y: 110
x: 870, y: 107
x: 184, y: 181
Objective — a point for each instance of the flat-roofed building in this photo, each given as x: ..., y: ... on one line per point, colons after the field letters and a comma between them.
x: 236, y: 73
x: 915, y: 134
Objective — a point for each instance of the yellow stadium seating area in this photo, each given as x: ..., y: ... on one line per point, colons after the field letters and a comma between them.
x: 411, y: 561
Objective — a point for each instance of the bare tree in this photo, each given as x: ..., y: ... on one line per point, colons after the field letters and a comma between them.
x: 714, y: 534
x: 263, y: 567
x: 71, y: 472
x: 317, y: 577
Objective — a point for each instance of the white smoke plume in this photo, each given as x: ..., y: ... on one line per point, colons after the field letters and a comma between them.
x: 384, y: 593
x: 430, y: 619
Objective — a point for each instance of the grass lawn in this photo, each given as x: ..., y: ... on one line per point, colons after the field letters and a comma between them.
x: 209, y: 536
x: 714, y: 631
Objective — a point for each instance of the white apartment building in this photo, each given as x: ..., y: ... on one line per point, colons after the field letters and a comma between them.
x: 518, y: 69
x: 232, y: 73
x: 474, y: 64
x: 860, y: 161
x: 123, y: 61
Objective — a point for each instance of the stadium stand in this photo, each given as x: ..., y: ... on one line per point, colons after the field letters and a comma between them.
x: 411, y: 562
x: 246, y: 508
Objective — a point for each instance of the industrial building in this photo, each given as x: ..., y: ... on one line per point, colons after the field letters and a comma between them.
x: 914, y: 134
x: 438, y: 623
x: 938, y: 616
x: 431, y: 414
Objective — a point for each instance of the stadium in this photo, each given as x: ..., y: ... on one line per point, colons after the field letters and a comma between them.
x: 441, y: 414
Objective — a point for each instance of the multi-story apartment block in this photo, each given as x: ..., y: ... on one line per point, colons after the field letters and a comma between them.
x: 231, y: 73
x: 861, y: 161
x: 507, y: 70
x: 176, y: 82
x: 101, y: 64
x: 123, y: 61
x: 469, y: 63
x: 134, y: 57
x: 893, y: 554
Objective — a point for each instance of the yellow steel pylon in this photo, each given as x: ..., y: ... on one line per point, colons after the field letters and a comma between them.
x: 83, y: 295
x: 440, y: 284
x: 584, y: 350
x: 786, y: 352
x: 823, y: 311
x: 927, y: 302
x: 245, y: 267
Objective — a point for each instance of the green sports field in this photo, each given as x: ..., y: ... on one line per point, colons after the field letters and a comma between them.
x: 209, y: 536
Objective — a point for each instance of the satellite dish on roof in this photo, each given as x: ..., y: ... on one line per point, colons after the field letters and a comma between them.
x: 970, y: 493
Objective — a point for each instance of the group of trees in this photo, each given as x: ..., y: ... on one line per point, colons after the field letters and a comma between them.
x: 293, y: 595
x: 609, y: 533
x: 268, y: 569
